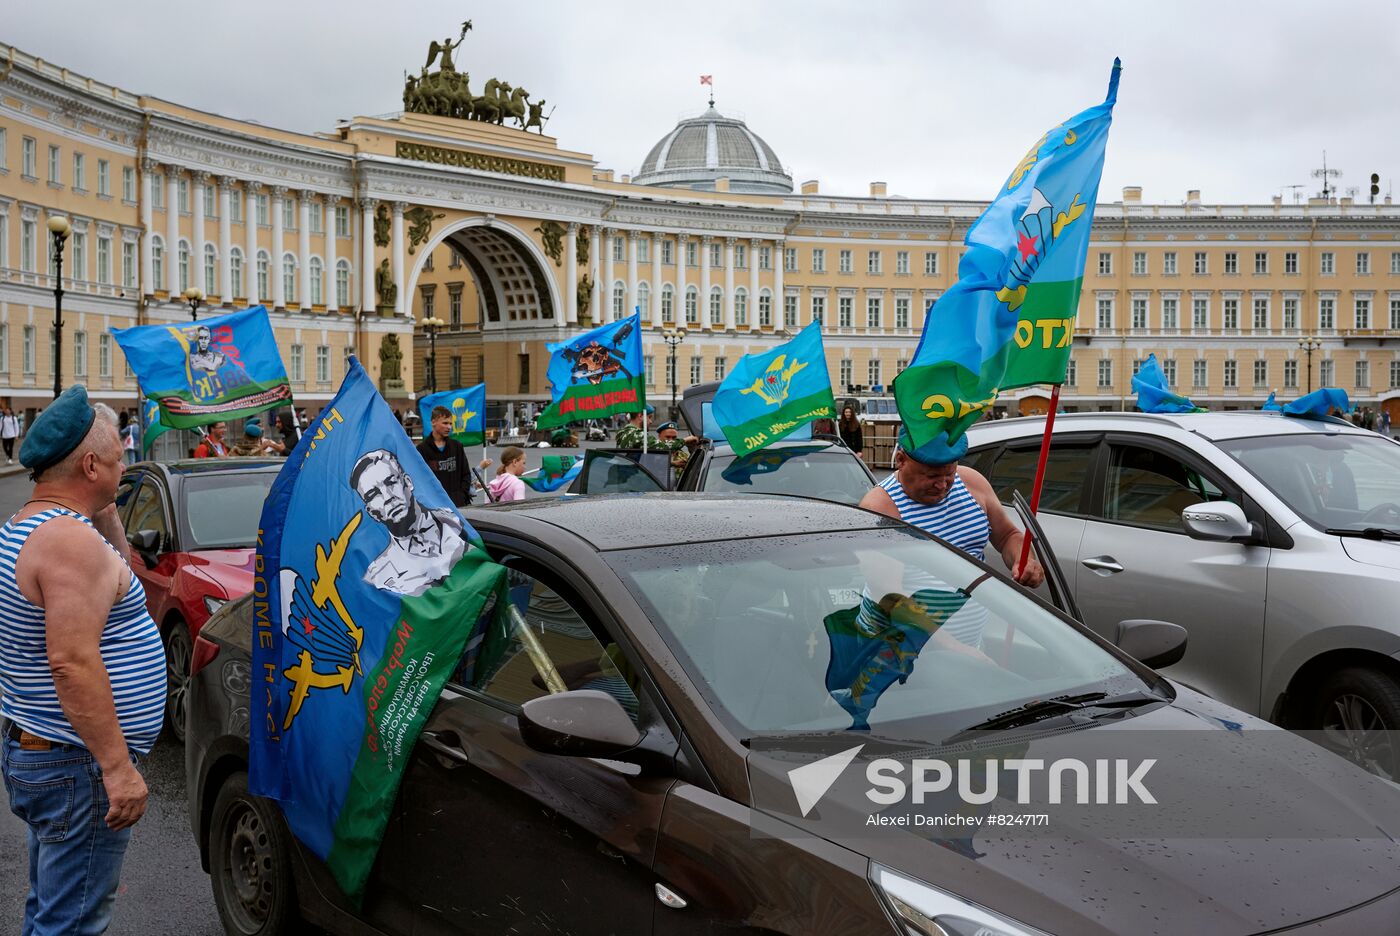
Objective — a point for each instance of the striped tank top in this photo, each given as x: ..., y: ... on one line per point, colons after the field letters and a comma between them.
x: 130, y: 646
x: 957, y: 518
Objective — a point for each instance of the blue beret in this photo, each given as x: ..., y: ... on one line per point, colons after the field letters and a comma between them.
x: 58, y: 430
x: 252, y: 430
x: 651, y: 410
x: 937, y: 451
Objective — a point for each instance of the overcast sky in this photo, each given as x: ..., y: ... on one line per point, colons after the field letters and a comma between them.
x: 938, y: 99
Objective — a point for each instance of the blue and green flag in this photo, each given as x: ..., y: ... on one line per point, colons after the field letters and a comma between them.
x: 555, y: 471
x: 222, y: 368
x: 151, y: 426
x: 597, y: 374
x: 1008, y: 321
x: 368, y: 585
x: 1154, y: 395
x: 468, y: 407
x: 767, y: 396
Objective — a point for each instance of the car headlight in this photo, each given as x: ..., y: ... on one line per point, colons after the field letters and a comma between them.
x: 212, y: 604
x: 923, y: 910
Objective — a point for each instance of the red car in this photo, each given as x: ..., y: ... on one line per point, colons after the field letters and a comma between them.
x: 192, y: 526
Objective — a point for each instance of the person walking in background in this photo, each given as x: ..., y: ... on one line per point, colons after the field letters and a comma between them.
x: 9, y: 431
x: 850, y: 432
x: 129, y: 432
x: 507, y: 486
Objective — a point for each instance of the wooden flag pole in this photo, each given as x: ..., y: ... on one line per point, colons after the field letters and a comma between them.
x: 1039, y: 476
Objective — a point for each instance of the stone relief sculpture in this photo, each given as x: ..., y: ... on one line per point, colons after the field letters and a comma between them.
x: 420, y: 225
x: 384, y: 285
x: 552, y: 234
x: 381, y: 225
x: 390, y: 363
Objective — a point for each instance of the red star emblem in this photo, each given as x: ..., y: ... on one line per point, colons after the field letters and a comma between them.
x: 1026, y: 245
x: 772, y: 380
x: 306, y: 624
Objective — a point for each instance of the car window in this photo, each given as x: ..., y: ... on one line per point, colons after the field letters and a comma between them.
x: 615, y: 474
x: 546, y: 642
x: 124, y: 491
x: 1151, y: 488
x: 1067, y: 470
x: 148, y: 513
x: 222, y: 511
x: 834, y: 475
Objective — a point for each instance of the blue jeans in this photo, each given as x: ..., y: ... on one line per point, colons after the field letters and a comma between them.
x: 74, y: 859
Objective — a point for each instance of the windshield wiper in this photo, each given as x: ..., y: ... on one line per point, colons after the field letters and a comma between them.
x: 1041, y: 709
x: 1370, y: 533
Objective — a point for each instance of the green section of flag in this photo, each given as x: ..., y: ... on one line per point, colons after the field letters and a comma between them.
x: 468, y: 439
x: 152, y: 426
x: 180, y: 409
x: 948, y: 396
x: 426, y: 645
x: 596, y: 401
x: 754, y: 434
x: 1044, y: 337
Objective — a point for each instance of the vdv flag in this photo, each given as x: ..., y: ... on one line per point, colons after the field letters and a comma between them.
x: 468, y: 408
x: 1272, y: 405
x: 1319, y: 403
x: 151, y: 426
x: 769, y: 395
x: 1153, y: 393
x: 367, y: 586
x: 597, y: 374
x: 556, y: 471
x: 218, y: 369
x: 1008, y: 321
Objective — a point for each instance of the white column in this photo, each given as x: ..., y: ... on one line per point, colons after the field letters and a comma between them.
x: 753, y: 284
x: 681, y: 240
x: 304, y: 251
x: 605, y: 312
x: 148, y: 168
x: 729, y: 283
x: 368, y: 300
x: 656, y: 282
x: 571, y: 274
x: 704, y: 303
x: 250, y: 249
x: 198, y: 180
x: 172, y: 233
x: 396, y: 244
x: 632, y: 237
x: 595, y: 266
x: 226, y: 242
x: 332, y: 303
x: 279, y: 295
x: 779, y: 296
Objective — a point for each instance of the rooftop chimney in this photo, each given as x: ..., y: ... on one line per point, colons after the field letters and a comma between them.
x: 1193, y: 197
x: 1132, y: 194
x: 722, y: 184
x: 626, y: 178
x: 1278, y: 201
x: 877, y: 190
x: 810, y: 187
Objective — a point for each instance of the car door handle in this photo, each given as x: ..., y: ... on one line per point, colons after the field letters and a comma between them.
x: 447, y: 745
x: 1102, y: 565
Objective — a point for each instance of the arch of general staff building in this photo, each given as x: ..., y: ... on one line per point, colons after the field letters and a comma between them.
x: 353, y: 236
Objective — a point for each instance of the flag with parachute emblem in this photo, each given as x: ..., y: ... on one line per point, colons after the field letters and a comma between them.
x: 1008, y: 321
x: 468, y: 407
x: 767, y: 396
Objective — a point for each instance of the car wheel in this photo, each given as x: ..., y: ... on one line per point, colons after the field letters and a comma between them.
x: 250, y: 863
x: 1358, y: 712
x: 179, y: 649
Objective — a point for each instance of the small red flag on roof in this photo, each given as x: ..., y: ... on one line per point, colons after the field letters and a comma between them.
x: 706, y: 79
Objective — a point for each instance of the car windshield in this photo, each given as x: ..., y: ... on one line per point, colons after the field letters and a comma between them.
x: 880, y: 628
x: 223, y: 510
x: 811, y: 471
x: 1331, y: 480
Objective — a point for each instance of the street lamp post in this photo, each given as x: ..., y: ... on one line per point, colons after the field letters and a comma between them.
x: 59, y: 228
x: 431, y: 324
x: 673, y: 337
x: 194, y: 296
x: 1309, y: 344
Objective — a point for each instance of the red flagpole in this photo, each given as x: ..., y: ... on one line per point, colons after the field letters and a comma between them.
x: 1039, y: 475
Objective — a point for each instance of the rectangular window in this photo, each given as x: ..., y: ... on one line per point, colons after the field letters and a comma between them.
x: 289, y: 214
x: 847, y: 265
x: 454, y: 307
x: 715, y: 259
x: 931, y: 263
x: 104, y: 355
x: 818, y: 259
x: 872, y: 372
x: 1169, y: 371
x: 901, y: 312
x: 873, y: 262
x: 342, y: 220
x: 455, y: 371
x: 1326, y: 373
x: 1327, y: 312
x: 1394, y: 374
x: 1329, y: 263
x: 1261, y: 373
x: 1395, y: 314
x: 1139, y: 312
x: 211, y: 201
x: 1200, y: 312
x: 4, y: 154
x: 1290, y: 262
x: 27, y: 350
x: 692, y: 253
x: 1071, y: 373
x: 29, y: 158
x: 741, y: 257
x: 1200, y: 373
x: 1105, y: 372
x: 104, y: 177
x: 129, y: 264
x: 1363, y: 375
x: 1363, y: 265
x: 1232, y: 374
x: 1231, y: 313
x: 901, y: 263
x: 721, y: 367
x: 26, y: 245
x: 78, y: 271
x: 1290, y: 375
x: 619, y: 253
x: 298, y: 373
x: 80, y: 354
x: 668, y: 255
x: 157, y: 191
x: 235, y: 206
x: 1395, y: 263
x: 1169, y: 263
x: 128, y: 183
x: 261, y: 209
x: 765, y: 309
x: 1261, y: 313
x: 697, y: 370
x: 1363, y: 313
x: 1169, y: 313
x: 55, y: 171
x: 845, y: 311
x: 104, y: 260
x: 318, y: 218
x: 1137, y: 365
x: 1105, y: 308
x: 1140, y: 263
x: 847, y: 371
x: 183, y: 195
x: 790, y: 311
x: 1202, y: 264
x: 1232, y: 263
x: 765, y: 258
x: 644, y: 250
x: 323, y: 364
x: 873, y: 312
x: 789, y: 259
x: 1105, y: 263
x: 1261, y: 263
x: 819, y: 309
x: 1290, y: 312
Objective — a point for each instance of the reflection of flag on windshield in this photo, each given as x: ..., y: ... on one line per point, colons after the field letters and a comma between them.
x: 555, y: 472
x: 468, y: 406
x: 874, y: 645
x: 369, y: 585
x: 765, y: 461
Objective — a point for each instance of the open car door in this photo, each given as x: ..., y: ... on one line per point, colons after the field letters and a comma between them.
x: 1059, y: 593
x: 624, y: 471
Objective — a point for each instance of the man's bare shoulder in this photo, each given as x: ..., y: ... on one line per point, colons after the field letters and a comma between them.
x: 64, y: 551
x: 879, y: 500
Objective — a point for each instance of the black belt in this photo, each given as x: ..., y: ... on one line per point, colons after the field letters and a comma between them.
x: 13, y: 731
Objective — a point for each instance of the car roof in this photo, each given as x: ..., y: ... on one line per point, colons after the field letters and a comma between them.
x: 724, y: 448
x: 1235, y: 424
x: 629, y: 521
x: 187, y: 467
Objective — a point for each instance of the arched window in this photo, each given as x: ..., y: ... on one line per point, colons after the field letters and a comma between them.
x: 668, y: 304
x: 235, y: 274
x: 184, y: 258
x: 716, y: 306
x: 157, y: 264
x: 289, y: 278
x: 644, y: 301
x: 264, y: 286
x: 342, y: 283
x: 692, y: 306
x: 619, y: 301
x: 211, y: 265
x: 741, y: 307
x: 317, y: 270
x: 765, y: 307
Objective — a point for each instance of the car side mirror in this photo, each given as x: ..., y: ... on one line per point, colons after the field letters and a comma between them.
x: 145, y: 543
x: 1154, y: 644
x: 1218, y: 521
x: 580, y: 723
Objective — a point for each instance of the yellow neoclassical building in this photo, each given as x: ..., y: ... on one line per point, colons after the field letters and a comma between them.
x: 512, y: 241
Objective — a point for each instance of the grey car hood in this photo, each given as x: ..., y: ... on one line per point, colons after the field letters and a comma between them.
x: 1383, y: 553
x: 1077, y: 882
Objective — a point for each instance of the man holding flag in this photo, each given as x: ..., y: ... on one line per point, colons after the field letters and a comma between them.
x: 447, y: 458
